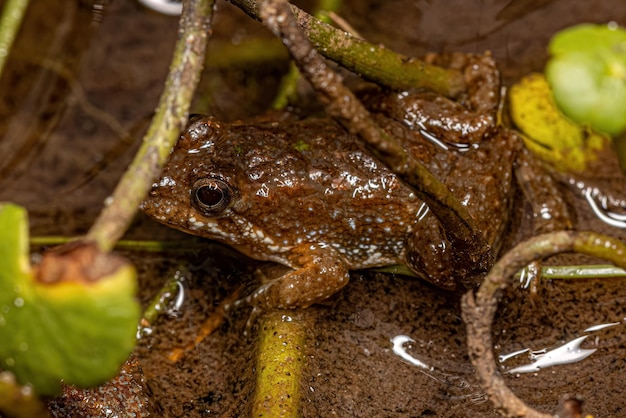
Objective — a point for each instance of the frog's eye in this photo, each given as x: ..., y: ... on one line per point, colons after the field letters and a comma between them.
x: 211, y: 195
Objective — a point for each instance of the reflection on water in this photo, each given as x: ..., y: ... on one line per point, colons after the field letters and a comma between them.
x: 536, y: 359
x: 398, y: 349
x: 170, y: 302
x: 468, y: 391
x: 167, y: 7
x: 617, y: 220
x: 568, y: 353
x: 601, y: 327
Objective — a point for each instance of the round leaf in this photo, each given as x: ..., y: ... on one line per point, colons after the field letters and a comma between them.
x: 77, y: 331
x: 587, y: 74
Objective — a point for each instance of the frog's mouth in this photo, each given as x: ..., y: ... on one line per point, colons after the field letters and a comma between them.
x: 601, y: 208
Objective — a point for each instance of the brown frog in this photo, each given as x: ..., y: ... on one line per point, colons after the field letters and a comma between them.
x: 306, y: 194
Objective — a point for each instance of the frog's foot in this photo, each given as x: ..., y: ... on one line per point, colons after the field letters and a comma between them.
x: 447, y: 124
x: 320, y: 273
x: 481, y: 74
x: 428, y: 254
x: 431, y: 256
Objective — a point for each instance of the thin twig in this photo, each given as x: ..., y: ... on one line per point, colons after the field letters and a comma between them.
x: 572, y: 272
x: 287, y: 90
x: 170, y: 117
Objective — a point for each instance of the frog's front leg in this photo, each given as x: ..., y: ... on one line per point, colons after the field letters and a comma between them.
x: 319, y: 272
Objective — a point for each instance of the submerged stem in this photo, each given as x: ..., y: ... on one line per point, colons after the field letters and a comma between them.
x: 279, y: 364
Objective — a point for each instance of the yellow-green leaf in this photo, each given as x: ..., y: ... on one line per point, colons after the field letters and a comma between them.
x: 67, y: 329
x: 565, y: 145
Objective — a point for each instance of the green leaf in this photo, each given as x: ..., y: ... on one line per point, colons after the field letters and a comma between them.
x: 587, y: 74
x: 588, y: 37
x: 71, y: 329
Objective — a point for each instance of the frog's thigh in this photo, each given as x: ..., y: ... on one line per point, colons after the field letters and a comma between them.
x: 429, y: 255
x: 322, y: 274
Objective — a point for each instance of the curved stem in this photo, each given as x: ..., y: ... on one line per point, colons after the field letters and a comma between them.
x: 479, y: 309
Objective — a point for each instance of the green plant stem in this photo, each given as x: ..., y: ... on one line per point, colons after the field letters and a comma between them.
x: 479, y: 309
x: 373, y: 62
x: 170, y: 118
x: 162, y: 299
x: 10, y: 22
x: 254, y: 51
x: 598, y: 271
x: 280, y: 362
x: 185, y: 245
x: 592, y: 271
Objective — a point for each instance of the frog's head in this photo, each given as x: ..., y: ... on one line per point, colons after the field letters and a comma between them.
x: 199, y: 189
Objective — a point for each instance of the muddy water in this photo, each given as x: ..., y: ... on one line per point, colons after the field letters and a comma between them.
x: 68, y: 97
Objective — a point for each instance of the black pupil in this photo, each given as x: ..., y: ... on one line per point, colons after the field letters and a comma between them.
x: 210, y: 195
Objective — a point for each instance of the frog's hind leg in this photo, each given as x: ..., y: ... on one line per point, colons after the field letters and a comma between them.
x: 550, y: 211
x: 321, y: 274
